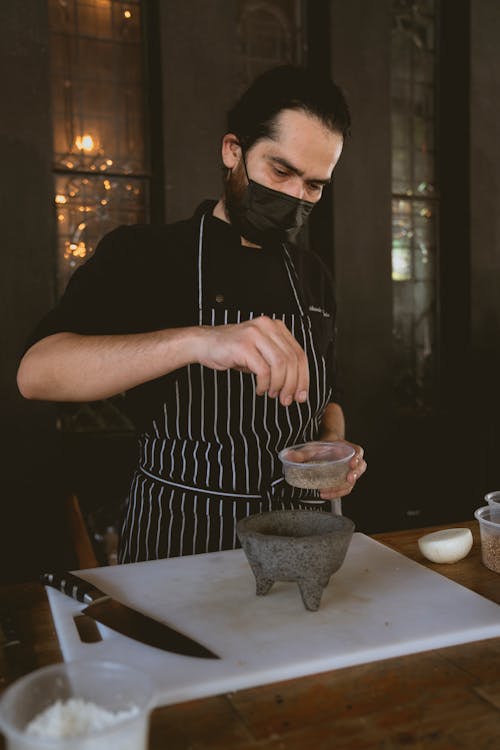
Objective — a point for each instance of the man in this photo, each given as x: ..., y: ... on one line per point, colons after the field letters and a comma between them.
x: 219, y: 330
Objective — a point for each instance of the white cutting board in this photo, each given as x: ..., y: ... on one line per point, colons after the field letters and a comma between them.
x: 378, y: 605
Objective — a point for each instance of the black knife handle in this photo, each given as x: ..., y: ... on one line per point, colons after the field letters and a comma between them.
x: 73, y: 586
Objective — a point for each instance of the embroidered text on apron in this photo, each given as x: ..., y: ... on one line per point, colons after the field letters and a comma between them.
x: 211, y: 456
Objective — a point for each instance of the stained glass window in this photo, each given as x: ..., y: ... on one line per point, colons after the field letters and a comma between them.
x: 100, y: 150
x: 415, y: 207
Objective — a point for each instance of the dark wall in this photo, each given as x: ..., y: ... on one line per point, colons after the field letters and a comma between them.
x: 28, y: 253
x: 360, y: 43
x: 483, y: 398
x: 485, y: 176
x: 29, y: 497
x: 200, y: 81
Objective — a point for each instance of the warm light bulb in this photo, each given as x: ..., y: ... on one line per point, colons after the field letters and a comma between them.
x: 127, y: 14
x: 61, y: 198
x: 84, y: 142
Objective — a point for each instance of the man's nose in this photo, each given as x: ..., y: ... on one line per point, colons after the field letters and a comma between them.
x: 297, y: 189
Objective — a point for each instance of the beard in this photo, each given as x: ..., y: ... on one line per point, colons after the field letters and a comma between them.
x: 234, y: 190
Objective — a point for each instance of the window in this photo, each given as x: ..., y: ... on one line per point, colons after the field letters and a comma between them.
x: 415, y: 206
x: 100, y: 150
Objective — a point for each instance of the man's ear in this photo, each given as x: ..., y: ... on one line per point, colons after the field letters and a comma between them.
x: 231, y: 150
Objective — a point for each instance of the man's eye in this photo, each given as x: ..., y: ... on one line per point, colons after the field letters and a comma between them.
x: 280, y: 172
x: 314, y: 188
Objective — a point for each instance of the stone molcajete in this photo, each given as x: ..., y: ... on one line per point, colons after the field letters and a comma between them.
x: 304, y: 546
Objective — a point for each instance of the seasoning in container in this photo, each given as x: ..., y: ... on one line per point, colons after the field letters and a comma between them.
x: 490, y: 548
x: 78, y: 705
x: 489, y: 527
x: 316, y: 465
x: 75, y: 718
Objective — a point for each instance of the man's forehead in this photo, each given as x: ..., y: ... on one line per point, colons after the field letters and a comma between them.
x: 301, y: 153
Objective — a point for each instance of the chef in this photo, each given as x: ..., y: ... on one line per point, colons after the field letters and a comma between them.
x: 218, y: 329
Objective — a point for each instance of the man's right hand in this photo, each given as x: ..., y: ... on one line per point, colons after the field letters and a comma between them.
x: 72, y: 367
x: 262, y: 346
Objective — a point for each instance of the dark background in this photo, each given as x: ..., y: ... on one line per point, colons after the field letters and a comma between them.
x: 422, y: 470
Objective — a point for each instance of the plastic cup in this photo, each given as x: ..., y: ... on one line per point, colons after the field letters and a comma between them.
x: 493, y: 498
x: 316, y: 465
x: 489, y: 528
x: 109, y: 685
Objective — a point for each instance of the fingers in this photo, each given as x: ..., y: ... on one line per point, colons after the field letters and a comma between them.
x: 333, y: 492
x: 279, y: 363
x: 357, y: 466
x: 289, y: 370
x: 262, y: 346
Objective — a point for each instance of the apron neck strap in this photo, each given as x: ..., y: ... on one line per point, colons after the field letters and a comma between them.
x: 290, y: 269
x: 293, y: 277
x: 200, y: 279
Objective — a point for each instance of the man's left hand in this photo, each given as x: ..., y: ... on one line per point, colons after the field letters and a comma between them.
x: 357, y: 467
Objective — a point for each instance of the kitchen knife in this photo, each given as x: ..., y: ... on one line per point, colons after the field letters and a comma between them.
x: 123, y: 619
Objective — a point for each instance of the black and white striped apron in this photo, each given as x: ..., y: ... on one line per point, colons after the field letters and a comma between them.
x: 211, y: 456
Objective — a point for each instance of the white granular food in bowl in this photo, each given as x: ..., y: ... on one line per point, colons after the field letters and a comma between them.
x: 75, y: 718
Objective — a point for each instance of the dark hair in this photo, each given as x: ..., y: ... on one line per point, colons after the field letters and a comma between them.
x: 287, y: 87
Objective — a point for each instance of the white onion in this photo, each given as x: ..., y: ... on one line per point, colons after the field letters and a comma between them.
x: 446, y: 546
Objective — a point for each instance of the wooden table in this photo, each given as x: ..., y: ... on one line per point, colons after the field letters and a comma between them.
x: 442, y: 699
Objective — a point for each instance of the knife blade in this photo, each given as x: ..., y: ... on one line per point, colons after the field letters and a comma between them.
x: 87, y: 629
x: 124, y: 619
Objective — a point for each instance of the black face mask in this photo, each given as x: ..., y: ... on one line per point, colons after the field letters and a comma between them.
x: 266, y: 215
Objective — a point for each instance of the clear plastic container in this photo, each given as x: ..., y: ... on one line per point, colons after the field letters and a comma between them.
x: 316, y: 465
x: 493, y: 498
x: 118, y: 688
x: 489, y: 527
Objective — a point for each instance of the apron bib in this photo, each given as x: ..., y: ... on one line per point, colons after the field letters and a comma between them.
x: 211, y: 456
